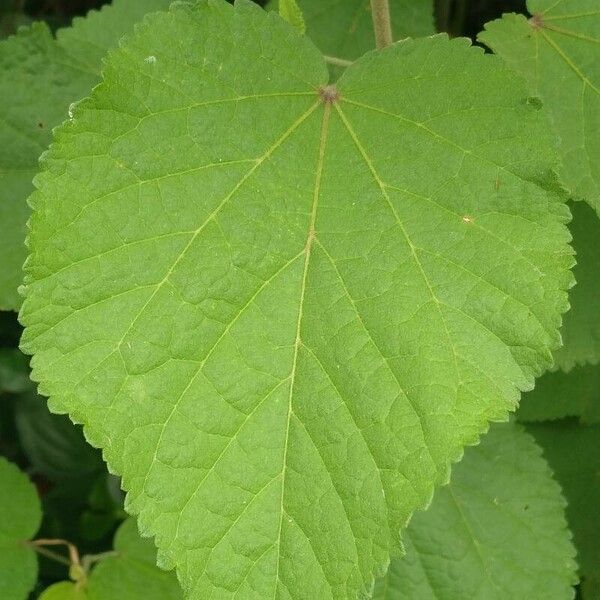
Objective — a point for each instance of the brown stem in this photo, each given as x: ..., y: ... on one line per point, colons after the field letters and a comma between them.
x: 73, y: 553
x: 382, y: 23
x: 89, y: 559
x: 338, y: 62
x: 55, y: 556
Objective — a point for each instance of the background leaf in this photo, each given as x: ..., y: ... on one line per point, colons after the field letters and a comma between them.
x: 290, y: 11
x: 281, y: 340
x: 581, y: 325
x: 39, y: 77
x: 105, y: 508
x: 558, y: 52
x: 65, y: 590
x: 53, y: 444
x: 573, y: 452
x: 497, y: 531
x: 558, y: 395
x: 132, y: 574
x: 14, y: 371
x: 21, y: 517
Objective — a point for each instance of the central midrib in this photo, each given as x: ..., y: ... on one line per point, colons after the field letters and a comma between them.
x: 310, y: 237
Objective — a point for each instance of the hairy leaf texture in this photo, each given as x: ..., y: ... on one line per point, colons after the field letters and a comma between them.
x: 40, y: 76
x: 558, y: 52
x: 497, y: 531
x: 282, y: 308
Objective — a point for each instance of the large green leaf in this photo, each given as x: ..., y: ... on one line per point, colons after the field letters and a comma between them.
x: 345, y: 29
x: 282, y: 308
x: 20, y: 520
x: 558, y: 395
x: 558, y: 52
x: 40, y: 76
x: 573, y: 452
x: 497, y: 531
x: 581, y: 327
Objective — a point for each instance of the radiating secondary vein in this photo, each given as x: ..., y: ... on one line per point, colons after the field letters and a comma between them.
x: 406, y: 236
x: 430, y: 131
x: 592, y: 13
x: 473, y: 223
x: 203, y: 362
x: 569, y: 33
x: 568, y: 60
x: 378, y: 349
x: 216, y: 211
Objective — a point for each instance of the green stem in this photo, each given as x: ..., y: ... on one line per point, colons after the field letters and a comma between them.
x: 382, y: 23
x: 338, y: 62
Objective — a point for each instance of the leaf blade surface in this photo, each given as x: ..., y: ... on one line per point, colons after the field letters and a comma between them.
x: 300, y: 348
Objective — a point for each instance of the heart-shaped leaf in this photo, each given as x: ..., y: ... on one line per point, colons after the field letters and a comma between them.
x: 282, y: 308
x: 64, y: 590
x: 290, y: 11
